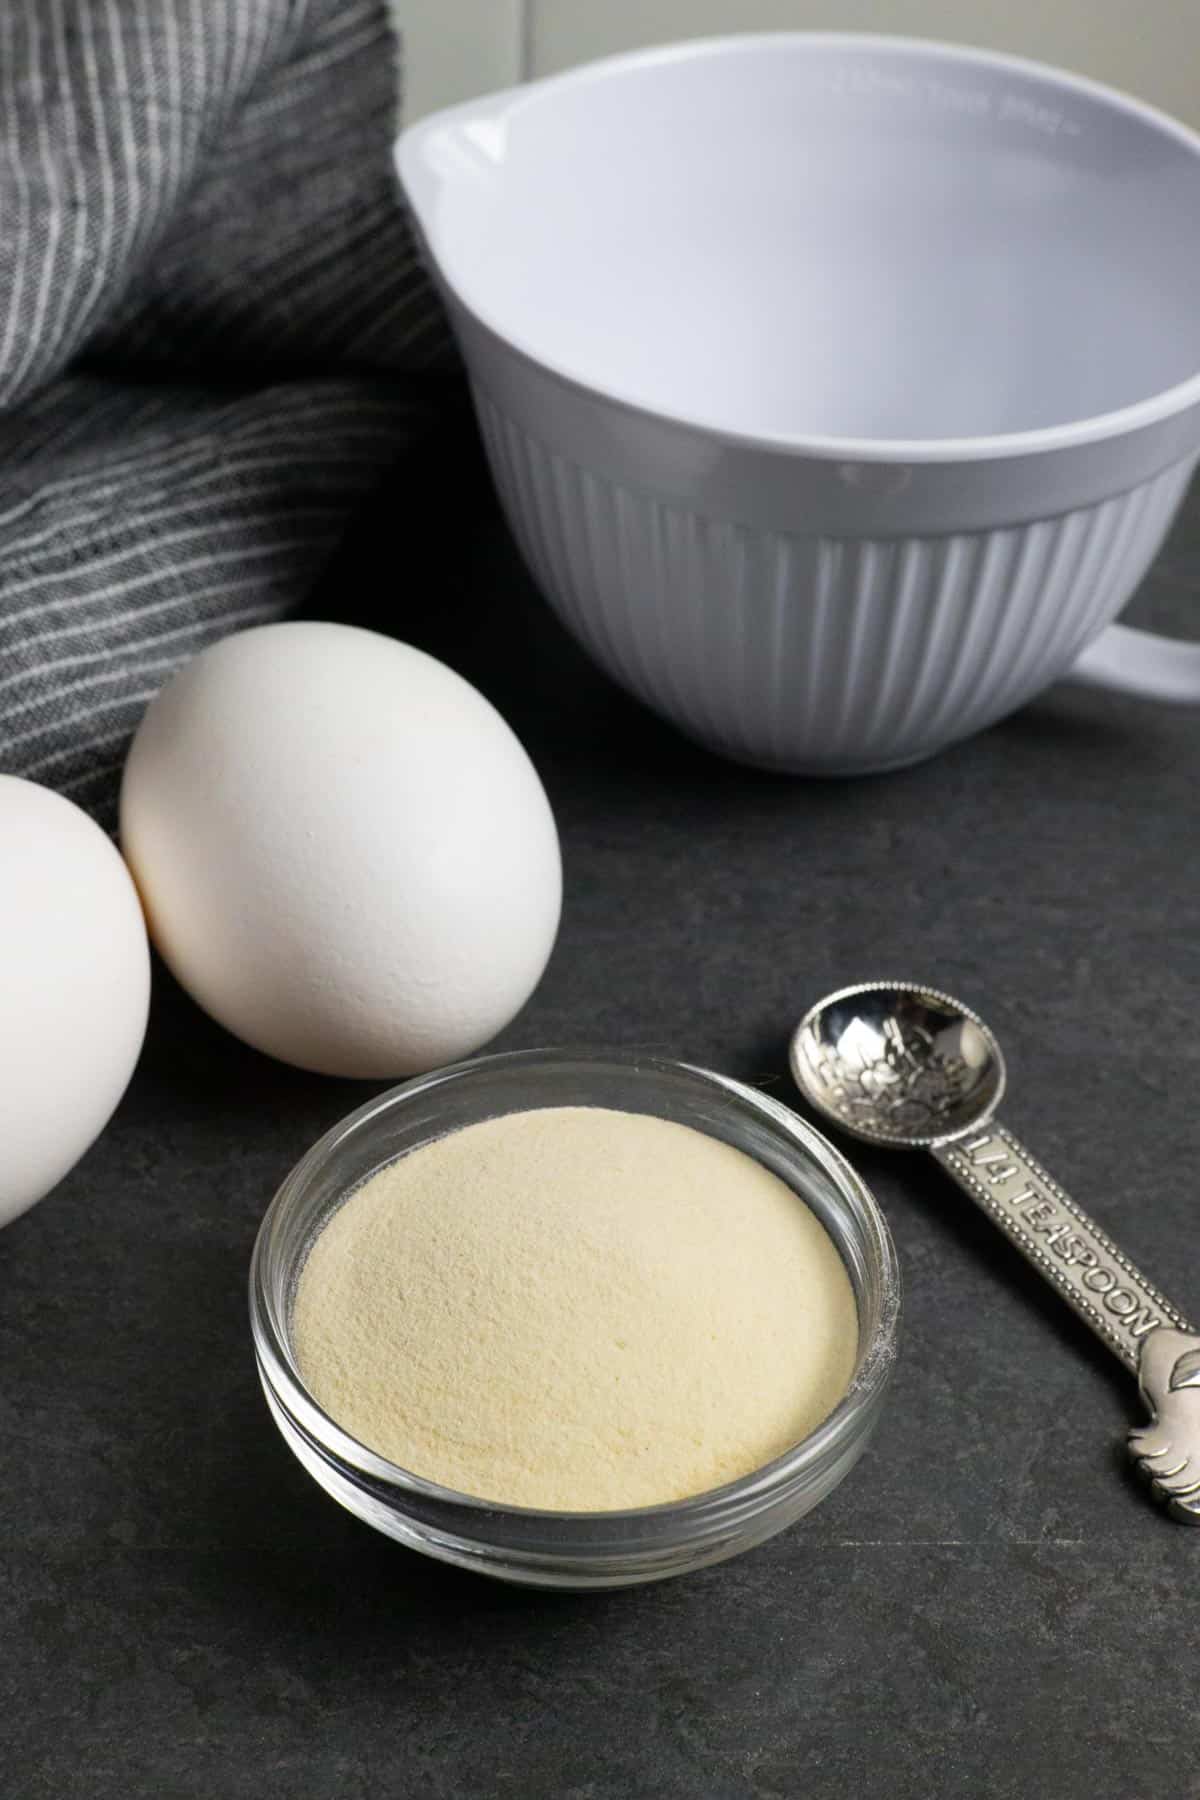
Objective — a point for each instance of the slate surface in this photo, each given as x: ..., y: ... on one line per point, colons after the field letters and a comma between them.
x: 989, y: 1606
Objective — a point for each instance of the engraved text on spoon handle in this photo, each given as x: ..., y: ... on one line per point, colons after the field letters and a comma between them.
x: 1059, y: 1238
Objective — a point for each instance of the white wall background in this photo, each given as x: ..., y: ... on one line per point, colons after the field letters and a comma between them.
x: 456, y: 48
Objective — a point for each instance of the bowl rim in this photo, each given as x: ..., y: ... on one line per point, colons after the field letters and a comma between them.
x: 872, y: 1369
x: 420, y: 189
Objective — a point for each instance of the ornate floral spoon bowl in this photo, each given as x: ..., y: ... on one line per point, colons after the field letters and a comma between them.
x: 908, y: 1067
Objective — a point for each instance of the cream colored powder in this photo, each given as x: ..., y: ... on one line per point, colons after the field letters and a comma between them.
x: 576, y: 1308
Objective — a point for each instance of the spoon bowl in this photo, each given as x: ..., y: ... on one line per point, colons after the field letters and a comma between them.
x: 898, y: 1064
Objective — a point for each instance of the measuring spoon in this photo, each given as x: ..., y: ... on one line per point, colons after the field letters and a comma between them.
x: 908, y: 1067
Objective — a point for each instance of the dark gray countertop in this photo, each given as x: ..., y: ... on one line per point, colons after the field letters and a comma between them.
x: 988, y: 1606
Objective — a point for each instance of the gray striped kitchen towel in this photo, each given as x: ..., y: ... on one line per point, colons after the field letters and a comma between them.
x: 214, y: 339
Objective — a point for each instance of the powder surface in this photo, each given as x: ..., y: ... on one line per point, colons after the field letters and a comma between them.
x: 576, y: 1308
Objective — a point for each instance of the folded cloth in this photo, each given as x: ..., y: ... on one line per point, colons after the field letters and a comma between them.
x: 215, y: 337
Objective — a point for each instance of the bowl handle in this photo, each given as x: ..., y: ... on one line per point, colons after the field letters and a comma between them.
x: 1138, y: 662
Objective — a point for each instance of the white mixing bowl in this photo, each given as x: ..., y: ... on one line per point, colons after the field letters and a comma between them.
x: 839, y: 390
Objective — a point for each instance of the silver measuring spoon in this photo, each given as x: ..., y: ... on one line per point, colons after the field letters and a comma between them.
x: 911, y: 1068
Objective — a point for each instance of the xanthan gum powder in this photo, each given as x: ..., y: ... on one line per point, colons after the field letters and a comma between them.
x: 578, y: 1309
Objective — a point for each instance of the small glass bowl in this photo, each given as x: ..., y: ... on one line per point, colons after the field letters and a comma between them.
x: 574, y: 1549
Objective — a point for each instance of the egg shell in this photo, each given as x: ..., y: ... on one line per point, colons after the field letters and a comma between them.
x: 74, y: 987
x: 344, y: 853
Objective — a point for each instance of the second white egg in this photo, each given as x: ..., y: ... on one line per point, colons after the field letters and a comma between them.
x: 344, y: 853
x: 74, y: 987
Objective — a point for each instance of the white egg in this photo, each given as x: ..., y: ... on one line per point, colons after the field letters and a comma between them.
x: 74, y: 988
x: 344, y: 853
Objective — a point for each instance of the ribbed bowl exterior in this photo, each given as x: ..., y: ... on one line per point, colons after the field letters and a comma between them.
x: 819, y: 654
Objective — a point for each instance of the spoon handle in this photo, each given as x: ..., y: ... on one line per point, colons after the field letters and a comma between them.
x: 1061, y: 1240
x: 1139, y: 1326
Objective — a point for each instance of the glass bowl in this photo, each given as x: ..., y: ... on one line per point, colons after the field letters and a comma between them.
x: 574, y: 1549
